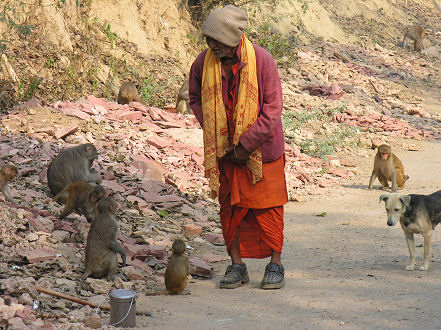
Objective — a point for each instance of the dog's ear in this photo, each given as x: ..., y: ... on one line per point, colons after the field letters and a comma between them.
x: 384, y: 197
x: 405, y: 199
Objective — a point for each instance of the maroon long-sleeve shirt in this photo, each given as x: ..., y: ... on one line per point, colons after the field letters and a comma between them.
x: 267, y: 131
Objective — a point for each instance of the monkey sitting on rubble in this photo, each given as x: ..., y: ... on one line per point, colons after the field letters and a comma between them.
x: 182, y: 101
x: 102, y: 246
x: 70, y: 165
x: 417, y: 34
x: 7, y: 174
x: 177, y: 269
x: 83, y: 198
x: 128, y: 93
x: 388, y: 167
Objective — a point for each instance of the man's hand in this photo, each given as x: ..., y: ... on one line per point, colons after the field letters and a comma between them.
x: 237, y: 155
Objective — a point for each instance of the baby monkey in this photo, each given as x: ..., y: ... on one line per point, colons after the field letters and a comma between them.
x: 83, y: 198
x: 416, y: 33
x: 388, y: 167
x: 7, y: 174
x: 102, y: 246
x: 177, y: 269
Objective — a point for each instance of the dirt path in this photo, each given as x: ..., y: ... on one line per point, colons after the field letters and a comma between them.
x: 345, y: 269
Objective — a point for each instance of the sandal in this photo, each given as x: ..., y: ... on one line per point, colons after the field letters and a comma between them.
x: 274, y: 277
x: 235, y: 276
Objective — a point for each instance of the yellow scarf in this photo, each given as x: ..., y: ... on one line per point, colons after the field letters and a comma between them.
x: 215, y: 117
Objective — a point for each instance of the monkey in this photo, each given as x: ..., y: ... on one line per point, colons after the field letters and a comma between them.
x: 177, y: 269
x: 70, y: 165
x: 7, y: 174
x: 128, y: 93
x: 101, y: 246
x: 83, y: 198
x: 388, y: 167
x: 416, y: 33
x: 182, y: 102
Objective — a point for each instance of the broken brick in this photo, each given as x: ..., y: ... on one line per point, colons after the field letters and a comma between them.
x: 113, y: 186
x: 199, y: 267
x: 133, y: 274
x: 211, y: 257
x: 192, y: 230
x: 142, y: 265
x: 37, y: 224
x: 61, y: 133
x: 75, y: 112
x: 216, y: 239
x: 37, y: 255
x: 158, y: 142
x: 159, y: 251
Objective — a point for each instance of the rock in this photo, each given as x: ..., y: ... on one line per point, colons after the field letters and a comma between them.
x: 376, y: 143
x: 140, y: 265
x: 192, y: 230
x: 187, y: 210
x: 6, y: 312
x: 60, y: 235
x: 120, y: 284
x: 433, y: 51
x: 46, y: 221
x: 61, y: 133
x: 133, y: 274
x: 113, y: 186
x: 93, y: 321
x: 32, y: 237
x: 216, y: 239
x: 211, y: 257
x: 200, y: 268
x: 26, y: 299
x: 17, y: 323
x: 38, y: 254
x: 18, y: 284
x: 65, y: 284
x: 217, y: 230
x: 335, y: 163
x: 348, y: 163
x: 75, y: 112
x: 159, y: 251
x: 99, y: 286
x: 158, y: 142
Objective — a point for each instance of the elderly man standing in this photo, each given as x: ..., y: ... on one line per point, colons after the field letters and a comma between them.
x: 236, y: 95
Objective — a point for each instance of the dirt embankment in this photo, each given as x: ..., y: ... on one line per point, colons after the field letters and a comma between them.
x: 76, y: 48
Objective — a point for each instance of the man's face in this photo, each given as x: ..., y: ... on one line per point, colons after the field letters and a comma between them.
x: 219, y: 49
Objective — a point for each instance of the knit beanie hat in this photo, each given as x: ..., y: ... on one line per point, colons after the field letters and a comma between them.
x: 226, y: 25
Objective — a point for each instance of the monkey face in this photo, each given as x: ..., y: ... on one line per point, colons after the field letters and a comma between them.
x: 90, y: 152
x: 384, y: 151
x: 10, y: 172
x: 96, y: 194
x: 107, y: 204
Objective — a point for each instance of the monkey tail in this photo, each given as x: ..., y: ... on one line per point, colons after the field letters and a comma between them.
x: 86, y: 274
x: 62, y: 192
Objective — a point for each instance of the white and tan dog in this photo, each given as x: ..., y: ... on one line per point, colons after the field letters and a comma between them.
x: 418, y: 214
